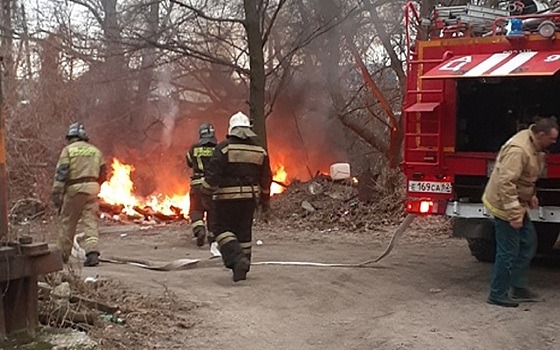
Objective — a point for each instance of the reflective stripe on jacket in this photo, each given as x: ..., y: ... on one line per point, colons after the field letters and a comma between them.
x: 79, y: 167
x: 239, y: 169
x: 512, y: 183
x: 198, y: 158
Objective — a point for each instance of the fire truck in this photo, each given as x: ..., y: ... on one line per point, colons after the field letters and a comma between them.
x: 481, y: 75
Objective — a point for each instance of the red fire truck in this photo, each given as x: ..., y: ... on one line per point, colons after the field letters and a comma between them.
x: 480, y: 76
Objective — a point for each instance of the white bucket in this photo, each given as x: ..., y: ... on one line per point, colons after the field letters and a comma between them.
x: 340, y: 171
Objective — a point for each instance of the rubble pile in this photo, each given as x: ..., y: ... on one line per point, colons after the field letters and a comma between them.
x: 111, y: 314
x: 322, y: 203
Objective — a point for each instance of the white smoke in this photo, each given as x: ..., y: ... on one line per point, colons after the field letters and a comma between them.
x: 167, y: 106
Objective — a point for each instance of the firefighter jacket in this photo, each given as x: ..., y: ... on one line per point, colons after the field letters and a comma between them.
x: 512, y: 182
x: 80, y: 168
x: 239, y: 169
x: 198, y: 158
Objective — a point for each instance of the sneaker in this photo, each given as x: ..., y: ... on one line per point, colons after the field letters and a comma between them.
x: 240, y: 270
x: 525, y: 295
x: 507, y: 302
x: 92, y: 259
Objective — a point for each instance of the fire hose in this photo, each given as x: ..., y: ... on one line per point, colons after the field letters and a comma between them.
x: 396, y: 235
x: 183, y: 264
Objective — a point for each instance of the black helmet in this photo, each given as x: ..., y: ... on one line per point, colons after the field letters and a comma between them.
x: 206, y: 131
x: 77, y: 131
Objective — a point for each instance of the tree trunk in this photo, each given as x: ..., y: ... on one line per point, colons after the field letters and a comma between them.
x: 148, y: 58
x: 7, y: 50
x: 396, y: 62
x: 117, y: 99
x: 257, y: 75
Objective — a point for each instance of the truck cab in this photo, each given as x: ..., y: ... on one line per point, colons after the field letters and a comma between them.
x: 481, y: 75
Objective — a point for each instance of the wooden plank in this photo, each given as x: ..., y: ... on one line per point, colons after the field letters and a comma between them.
x: 32, y: 301
x: 15, y: 308
x: 3, y: 333
x: 35, y: 249
x: 6, y: 251
x: 21, y: 266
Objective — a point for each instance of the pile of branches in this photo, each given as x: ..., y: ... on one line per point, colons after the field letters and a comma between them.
x: 110, y: 313
x: 323, y: 204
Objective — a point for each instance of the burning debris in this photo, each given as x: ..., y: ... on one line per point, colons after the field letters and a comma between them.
x: 118, y: 201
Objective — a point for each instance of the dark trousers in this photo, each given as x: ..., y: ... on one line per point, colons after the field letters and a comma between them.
x: 201, y: 203
x: 234, y: 222
x: 515, y: 248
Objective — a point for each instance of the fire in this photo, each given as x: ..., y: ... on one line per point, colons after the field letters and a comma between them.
x: 119, y: 190
x: 281, y: 176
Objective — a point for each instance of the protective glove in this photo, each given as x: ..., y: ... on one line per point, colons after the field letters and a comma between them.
x: 56, y: 197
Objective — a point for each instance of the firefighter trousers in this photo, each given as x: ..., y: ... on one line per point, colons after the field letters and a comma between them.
x: 515, y: 248
x: 78, y: 206
x: 201, y: 203
x: 234, y: 221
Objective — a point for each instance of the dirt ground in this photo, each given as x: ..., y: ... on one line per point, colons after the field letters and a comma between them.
x: 428, y: 294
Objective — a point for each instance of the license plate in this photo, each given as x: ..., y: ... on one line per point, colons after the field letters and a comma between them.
x: 429, y: 187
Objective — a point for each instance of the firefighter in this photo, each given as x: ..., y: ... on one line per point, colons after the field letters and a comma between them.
x: 509, y: 194
x: 79, y: 173
x: 239, y: 177
x: 197, y: 158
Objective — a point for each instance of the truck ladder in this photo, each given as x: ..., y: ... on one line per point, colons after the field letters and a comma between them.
x: 423, y: 119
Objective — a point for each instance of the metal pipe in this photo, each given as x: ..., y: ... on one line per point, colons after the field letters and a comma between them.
x: 551, y: 13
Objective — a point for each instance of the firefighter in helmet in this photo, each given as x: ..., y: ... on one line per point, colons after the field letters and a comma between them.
x: 79, y: 173
x: 197, y: 158
x: 239, y: 177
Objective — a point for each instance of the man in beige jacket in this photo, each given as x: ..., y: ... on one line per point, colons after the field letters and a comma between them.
x: 509, y: 194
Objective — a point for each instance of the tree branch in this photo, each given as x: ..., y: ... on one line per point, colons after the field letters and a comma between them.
x: 205, y: 16
x: 266, y: 33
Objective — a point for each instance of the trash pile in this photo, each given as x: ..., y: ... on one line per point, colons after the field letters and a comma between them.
x: 322, y: 203
x: 111, y: 314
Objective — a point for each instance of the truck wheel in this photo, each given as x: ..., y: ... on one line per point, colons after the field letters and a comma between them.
x: 482, y: 249
x: 548, y: 234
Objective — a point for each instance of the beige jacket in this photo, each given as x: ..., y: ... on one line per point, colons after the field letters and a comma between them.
x: 79, y: 160
x: 512, y: 182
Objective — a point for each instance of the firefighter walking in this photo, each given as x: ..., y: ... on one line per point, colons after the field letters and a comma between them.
x: 239, y: 177
x: 198, y: 158
x: 79, y: 172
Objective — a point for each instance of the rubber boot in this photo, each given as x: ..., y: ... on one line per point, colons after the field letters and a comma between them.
x: 200, y: 234
x: 240, y: 269
x: 92, y: 259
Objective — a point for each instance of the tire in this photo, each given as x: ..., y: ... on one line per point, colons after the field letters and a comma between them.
x: 547, y: 236
x: 483, y: 250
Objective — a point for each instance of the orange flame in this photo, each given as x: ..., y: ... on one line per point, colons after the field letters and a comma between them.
x: 119, y: 190
x: 281, y: 176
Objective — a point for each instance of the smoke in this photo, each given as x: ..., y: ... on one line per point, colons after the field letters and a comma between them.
x: 169, y: 108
